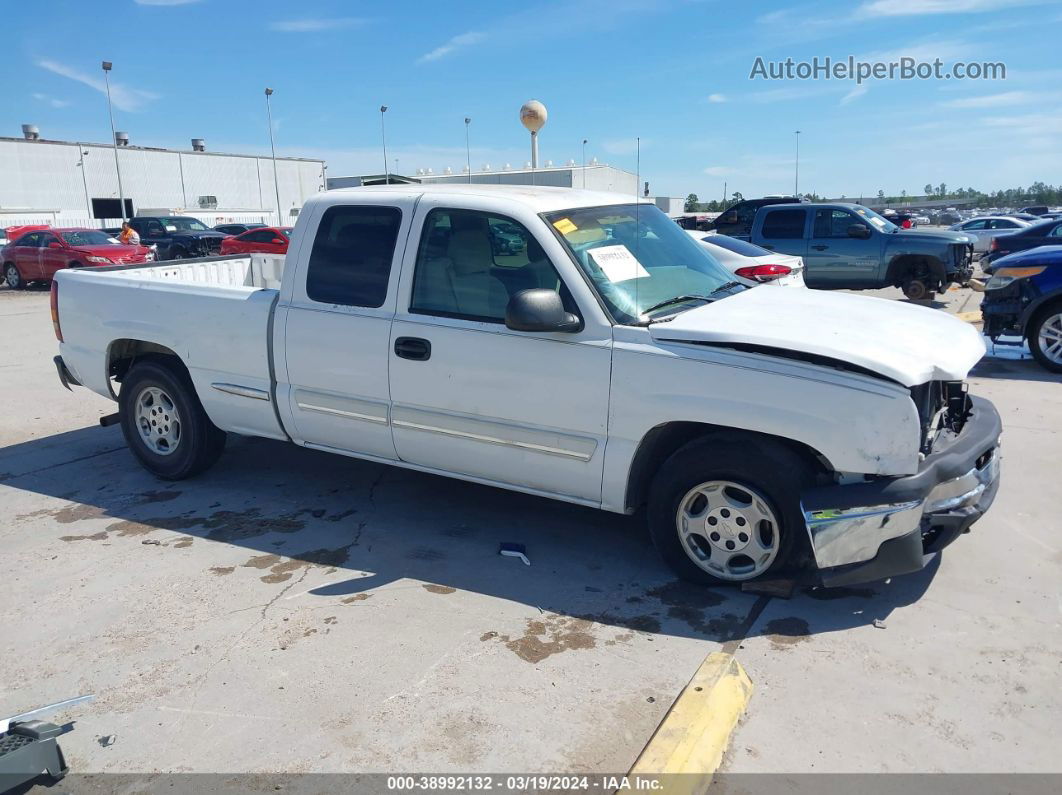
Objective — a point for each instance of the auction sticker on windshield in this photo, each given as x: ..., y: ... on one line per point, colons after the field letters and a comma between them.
x: 617, y: 263
x: 565, y: 226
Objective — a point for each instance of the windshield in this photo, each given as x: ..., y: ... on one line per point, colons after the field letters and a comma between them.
x: 637, y: 258
x: 87, y: 237
x: 878, y: 222
x: 184, y: 224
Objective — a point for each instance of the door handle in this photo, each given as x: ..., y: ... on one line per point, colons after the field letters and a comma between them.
x: 413, y: 348
x: 820, y: 247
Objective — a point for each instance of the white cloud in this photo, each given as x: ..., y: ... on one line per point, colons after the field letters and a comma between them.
x: 854, y: 94
x: 165, y: 2
x: 1004, y: 99
x: 123, y: 97
x: 314, y: 25
x: 717, y: 98
x: 53, y: 101
x: 454, y: 44
x: 906, y: 8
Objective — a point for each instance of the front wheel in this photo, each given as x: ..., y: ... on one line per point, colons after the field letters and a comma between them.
x: 13, y: 277
x: 1045, y: 338
x: 164, y: 423
x: 728, y: 511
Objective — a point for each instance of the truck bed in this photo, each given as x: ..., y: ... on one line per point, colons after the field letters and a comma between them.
x: 214, y: 313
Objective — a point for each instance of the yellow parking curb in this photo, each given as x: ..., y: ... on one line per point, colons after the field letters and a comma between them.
x: 969, y: 317
x: 687, y: 747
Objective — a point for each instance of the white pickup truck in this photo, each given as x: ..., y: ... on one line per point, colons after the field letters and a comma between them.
x: 570, y: 344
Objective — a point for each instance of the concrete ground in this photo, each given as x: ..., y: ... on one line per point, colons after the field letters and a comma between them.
x: 293, y: 611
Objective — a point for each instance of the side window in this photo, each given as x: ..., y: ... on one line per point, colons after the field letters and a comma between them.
x: 1056, y: 232
x: 834, y: 223
x: 46, y: 240
x: 32, y: 240
x: 470, y: 262
x: 350, y: 262
x: 976, y: 225
x: 745, y: 214
x: 783, y: 225
x: 258, y: 236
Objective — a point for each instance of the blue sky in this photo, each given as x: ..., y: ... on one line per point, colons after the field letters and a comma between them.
x: 673, y: 72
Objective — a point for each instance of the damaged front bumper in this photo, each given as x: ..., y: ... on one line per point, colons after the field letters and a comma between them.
x: 864, y: 532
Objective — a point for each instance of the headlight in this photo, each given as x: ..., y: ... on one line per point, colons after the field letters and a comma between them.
x: 99, y: 260
x: 1004, y: 276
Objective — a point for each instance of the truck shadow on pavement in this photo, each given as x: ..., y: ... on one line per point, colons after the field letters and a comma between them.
x: 342, y: 530
x: 1013, y: 370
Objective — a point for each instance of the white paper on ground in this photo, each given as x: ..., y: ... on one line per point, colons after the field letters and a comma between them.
x: 618, y: 264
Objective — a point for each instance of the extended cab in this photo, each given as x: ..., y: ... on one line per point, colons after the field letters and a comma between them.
x: 177, y: 236
x: 849, y: 246
x: 609, y: 361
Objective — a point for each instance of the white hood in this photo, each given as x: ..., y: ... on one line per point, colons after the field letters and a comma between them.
x: 907, y: 343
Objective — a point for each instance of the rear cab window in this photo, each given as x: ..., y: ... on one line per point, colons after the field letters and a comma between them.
x: 350, y: 262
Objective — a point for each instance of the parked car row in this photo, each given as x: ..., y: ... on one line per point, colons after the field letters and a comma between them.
x: 37, y: 255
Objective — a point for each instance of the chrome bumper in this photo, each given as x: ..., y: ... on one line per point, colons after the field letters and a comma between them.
x: 863, y: 539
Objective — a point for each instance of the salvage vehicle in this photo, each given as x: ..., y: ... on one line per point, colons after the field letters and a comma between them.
x: 177, y: 236
x: 985, y: 229
x: 267, y: 240
x: 848, y: 246
x: 614, y: 364
x: 1023, y: 299
x: 749, y: 261
x: 1044, y: 233
x: 37, y: 256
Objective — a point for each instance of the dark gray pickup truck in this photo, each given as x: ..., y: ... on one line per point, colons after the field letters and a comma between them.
x: 848, y: 246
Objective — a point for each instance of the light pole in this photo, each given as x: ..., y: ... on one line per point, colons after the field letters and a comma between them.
x: 796, y: 171
x: 273, y: 149
x: 84, y: 179
x: 383, y: 138
x: 114, y: 141
x: 584, y: 162
x: 468, y: 152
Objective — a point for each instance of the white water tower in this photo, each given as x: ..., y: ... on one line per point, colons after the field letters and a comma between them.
x: 533, y: 116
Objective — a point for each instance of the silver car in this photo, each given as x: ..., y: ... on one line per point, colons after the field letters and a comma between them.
x: 986, y: 228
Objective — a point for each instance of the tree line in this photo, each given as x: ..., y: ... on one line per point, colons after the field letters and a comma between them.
x: 1036, y: 193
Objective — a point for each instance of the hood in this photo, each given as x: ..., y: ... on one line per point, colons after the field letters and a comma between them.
x: 1041, y: 255
x: 935, y: 235
x: 199, y: 235
x: 906, y: 343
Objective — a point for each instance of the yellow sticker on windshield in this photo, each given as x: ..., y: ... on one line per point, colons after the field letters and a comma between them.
x: 565, y: 226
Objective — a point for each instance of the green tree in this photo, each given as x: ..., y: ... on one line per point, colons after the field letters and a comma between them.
x: 928, y: 189
x: 737, y: 197
x: 881, y: 195
x: 692, y: 203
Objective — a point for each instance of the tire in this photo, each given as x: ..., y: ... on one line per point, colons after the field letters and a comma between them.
x: 160, y: 398
x: 1044, y: 335
x: 917, y: 290
x: 177, y: 253
x: 753, y: 527
x: 13, y: 277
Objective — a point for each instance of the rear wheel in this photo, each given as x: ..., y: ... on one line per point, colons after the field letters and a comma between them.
x: 1045, y: 337
x: 12, y: 276
x: 164, y: 423
x: 724, y: 511
x: 177, y: 253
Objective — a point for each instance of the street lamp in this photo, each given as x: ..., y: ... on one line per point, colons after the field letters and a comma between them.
x: 273, y: 149
x: 796, y: 172
x: 468, y: 153
x: 107, y: 65
x: 383, y: 138
x: 84, y: 179
x: 584, y: 162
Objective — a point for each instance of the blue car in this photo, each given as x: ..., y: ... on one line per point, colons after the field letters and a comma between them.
x: 1024, y: 299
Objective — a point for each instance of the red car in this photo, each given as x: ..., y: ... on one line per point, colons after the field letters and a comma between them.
x: 270, y: 240
x: 36, y: 256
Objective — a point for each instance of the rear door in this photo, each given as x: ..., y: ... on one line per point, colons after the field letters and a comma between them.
x: 28, y: 256
x: 836, y: 260
x: 784, y: 231
x: 335, y: 328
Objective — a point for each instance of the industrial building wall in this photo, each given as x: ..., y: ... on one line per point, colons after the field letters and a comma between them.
x: 42, y: 182
x: 603, y: 178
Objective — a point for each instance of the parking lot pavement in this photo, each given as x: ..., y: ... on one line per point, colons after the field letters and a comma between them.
x: 294, y: 611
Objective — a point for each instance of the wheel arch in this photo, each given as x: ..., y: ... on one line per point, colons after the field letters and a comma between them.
x: 1036, y: 308
x: 662, y: 441
x: 122, y: 354
x: 903, y: 263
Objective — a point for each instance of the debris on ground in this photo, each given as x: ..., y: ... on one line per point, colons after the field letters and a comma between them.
x: 782, y: 587
x: 512, y: 550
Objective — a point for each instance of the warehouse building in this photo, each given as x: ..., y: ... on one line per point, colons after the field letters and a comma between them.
x: 69, y: 183
x: 594, y: 176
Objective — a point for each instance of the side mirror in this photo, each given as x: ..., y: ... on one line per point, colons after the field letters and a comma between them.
x: 277, y: 241
x: 539, y: 310
x: 55, y: 245
x: 859, y: 231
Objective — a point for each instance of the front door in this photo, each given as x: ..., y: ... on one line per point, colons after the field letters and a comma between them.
x: 53, y: 255
x: 471, y: 396
x: 335, y: 329
x: 836, y: 260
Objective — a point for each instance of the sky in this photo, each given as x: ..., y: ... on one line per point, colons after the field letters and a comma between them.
x: 673, y: 73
